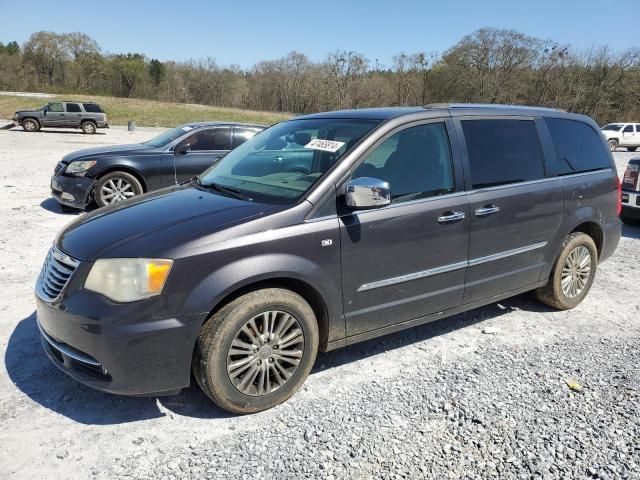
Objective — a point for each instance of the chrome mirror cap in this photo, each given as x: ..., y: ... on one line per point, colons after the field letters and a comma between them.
x: 367, y: 192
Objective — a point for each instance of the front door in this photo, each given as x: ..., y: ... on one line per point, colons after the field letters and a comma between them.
x: 514, y: 210
x: 54, y: 116
x: 205, y: 147
x: 408, y: 259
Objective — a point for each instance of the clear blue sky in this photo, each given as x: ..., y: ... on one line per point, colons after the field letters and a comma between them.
x: 243, y: 32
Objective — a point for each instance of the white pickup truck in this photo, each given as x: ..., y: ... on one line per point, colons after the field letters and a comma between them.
x: 622, y: 135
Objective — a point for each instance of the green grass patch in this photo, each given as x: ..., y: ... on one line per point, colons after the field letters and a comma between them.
x: 147, y: 113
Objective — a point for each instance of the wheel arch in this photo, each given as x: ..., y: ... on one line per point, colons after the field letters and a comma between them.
x: 594, y: 230
x: 24, y: 119
x: 303, y: 288
x: 126, y: 169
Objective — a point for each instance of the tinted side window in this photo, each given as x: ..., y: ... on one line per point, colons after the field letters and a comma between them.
x: 92, y: 108
x: 241, y: 135
x: 503, y: 151
x: 416, y: 162
x: 628, y: 128
x: 73, y: 108
x: 56, y: 107
x: 210, y: 139
x: 579, y: 148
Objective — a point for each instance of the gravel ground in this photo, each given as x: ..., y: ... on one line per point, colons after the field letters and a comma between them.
x: 444, y: 400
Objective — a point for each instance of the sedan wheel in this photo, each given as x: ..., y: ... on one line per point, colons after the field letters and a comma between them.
x: 116, y: 187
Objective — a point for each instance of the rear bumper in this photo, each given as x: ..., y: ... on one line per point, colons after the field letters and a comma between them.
x: 113, y: 348
x: 102, y: 124
x: 611, y: 237
x: 72, y: 191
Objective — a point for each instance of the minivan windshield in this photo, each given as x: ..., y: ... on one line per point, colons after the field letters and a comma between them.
x: 165, y: 137
x: 612, y: 126
x: 281, y: 163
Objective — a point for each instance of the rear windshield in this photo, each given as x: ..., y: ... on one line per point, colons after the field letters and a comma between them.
x: 92, y: 108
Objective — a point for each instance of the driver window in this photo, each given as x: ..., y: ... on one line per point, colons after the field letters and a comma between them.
x: 209, y: 139
x: 416, y: 162
x: 55, y: 107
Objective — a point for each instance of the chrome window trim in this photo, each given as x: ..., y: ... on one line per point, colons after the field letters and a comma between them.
x: 67, y: 351
x: 449, y: 268
x: 410, y: 202
x: 540, y: 180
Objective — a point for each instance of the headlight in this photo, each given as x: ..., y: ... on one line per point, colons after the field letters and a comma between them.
x: 128, y: 279
x: 80, y: 168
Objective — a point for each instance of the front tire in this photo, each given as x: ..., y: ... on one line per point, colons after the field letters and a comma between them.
x: 88, y: 128
x: 30, y: 125
x: 256, y: 352
x: 115, y: 187
x: 572, y: 274
x: 613, y: 144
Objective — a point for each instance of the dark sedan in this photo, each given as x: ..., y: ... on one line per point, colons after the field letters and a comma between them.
x: 115, y: 173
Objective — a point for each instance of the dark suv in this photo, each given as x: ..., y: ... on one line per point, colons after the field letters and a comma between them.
x: 323, y: 231
x: 87, y: 116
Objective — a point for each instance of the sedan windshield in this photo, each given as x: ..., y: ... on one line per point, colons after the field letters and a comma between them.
x: 612, y: 126
x: 281, y: 163
x: 165, y: 137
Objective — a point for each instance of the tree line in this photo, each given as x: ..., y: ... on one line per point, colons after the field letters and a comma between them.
x: 487, y: 66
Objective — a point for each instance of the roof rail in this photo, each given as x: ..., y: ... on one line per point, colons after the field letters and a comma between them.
x: 490, y: 105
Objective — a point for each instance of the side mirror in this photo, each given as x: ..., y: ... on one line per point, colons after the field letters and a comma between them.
x: 367, y: 192
x: 183, y: 148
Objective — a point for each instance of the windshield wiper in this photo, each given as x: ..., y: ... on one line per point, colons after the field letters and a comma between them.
x: 222, y: 189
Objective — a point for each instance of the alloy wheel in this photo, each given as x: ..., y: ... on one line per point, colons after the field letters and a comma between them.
x: 576, y: 271
x: 116, y: 190
x: 265, y: 353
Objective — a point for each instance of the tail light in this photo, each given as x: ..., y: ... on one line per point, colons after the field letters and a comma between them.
x: 618, y: 196
x: 630, y: 179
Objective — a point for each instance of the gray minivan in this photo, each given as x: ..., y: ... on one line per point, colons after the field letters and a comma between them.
x: 323, y: 231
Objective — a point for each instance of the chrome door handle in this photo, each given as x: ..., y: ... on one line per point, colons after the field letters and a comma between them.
x: 278, y: 159
x: 488, y: 210
x: 449, y: 217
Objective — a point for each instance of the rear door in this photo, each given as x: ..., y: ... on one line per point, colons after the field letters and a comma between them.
x: 628, y: 136
x: 54, y: 116
x: 514, y: 209
x: 406, y: 260
x: 207, y: 145
x: 73, y: 115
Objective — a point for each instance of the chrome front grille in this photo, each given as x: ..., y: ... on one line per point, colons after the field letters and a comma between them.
x: 56, y: 271
x: 59, y: 169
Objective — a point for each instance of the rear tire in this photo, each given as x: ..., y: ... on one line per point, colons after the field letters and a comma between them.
x: 115, y: 187
x: 631, y: 149
x: 567, y: 286
x: 30, y: 125
x: 88, y: 127
x: 613, y: 144
x: 240, y: 359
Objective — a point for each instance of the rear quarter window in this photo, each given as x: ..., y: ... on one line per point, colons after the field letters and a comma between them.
x: 579, y: 148
x: 92, y: 108
x: 502, y: 152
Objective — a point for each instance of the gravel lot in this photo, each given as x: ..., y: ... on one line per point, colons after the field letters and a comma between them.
x: 440, y: 401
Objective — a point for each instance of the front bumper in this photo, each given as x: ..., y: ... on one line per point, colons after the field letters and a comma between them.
x: 118, y: 348
x: 72, y: 191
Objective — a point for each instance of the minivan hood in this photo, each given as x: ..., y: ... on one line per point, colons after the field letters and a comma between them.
x: 140, y: 227
x: 108, y: 150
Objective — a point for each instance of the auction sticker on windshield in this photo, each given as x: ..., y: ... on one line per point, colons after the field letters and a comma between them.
x: 324, y: 145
